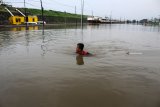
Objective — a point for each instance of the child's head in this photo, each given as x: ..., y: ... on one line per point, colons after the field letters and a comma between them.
x: 80, y: 47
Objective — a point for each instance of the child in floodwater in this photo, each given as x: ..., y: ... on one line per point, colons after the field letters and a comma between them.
x: 80, y: 51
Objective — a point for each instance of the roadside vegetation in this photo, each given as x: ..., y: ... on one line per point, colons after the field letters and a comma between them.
x: 38, y: 12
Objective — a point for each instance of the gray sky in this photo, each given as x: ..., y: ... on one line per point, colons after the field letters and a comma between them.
x: 124, y: 9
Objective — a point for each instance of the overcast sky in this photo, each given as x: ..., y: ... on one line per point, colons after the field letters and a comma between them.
x: 124, y: 9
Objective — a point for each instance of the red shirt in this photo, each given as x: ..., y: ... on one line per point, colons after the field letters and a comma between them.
x: 83, y: 53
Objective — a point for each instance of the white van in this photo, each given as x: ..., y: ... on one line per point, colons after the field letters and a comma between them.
x: 41, y: 22
x: 31, y: 23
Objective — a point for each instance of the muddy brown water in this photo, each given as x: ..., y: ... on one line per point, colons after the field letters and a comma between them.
x: 43, y: 71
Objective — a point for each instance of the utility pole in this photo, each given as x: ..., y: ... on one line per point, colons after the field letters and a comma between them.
x: 25, y: 13
x: 75, y: 10
x: 82, y: 9
x: 76, y: 14
x: 42, y: 15
x: 159, y: 20
x: 65, y: 18
x: 111, y: 18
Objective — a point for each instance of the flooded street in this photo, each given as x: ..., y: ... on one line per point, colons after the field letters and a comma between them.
x: 43, y: 70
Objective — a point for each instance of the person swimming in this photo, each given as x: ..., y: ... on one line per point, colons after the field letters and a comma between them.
x: 80, y: 51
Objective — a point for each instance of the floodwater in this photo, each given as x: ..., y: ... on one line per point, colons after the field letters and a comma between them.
x: 43, y: 70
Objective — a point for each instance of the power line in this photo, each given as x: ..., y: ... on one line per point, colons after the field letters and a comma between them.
x: 62, y: 4
x: 58, y: 3
x: 32, y: 5
x: 14, y: 2
x: 35, y: 1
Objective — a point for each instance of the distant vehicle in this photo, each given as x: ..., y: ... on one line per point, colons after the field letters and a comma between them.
x: 41, y: 22
x: 31, y: 23
x: 93, y: 19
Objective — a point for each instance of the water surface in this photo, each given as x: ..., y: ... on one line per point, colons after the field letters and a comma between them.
x: 43, y: 70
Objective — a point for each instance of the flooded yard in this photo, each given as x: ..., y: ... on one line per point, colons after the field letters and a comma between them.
x: 39, y: 70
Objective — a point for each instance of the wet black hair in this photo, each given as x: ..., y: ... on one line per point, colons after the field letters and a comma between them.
x: 80, y: 45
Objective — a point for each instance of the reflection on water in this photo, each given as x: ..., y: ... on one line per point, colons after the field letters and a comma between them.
x: 24, y: 28
x: 79, y: 59
x: 43, y: 70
